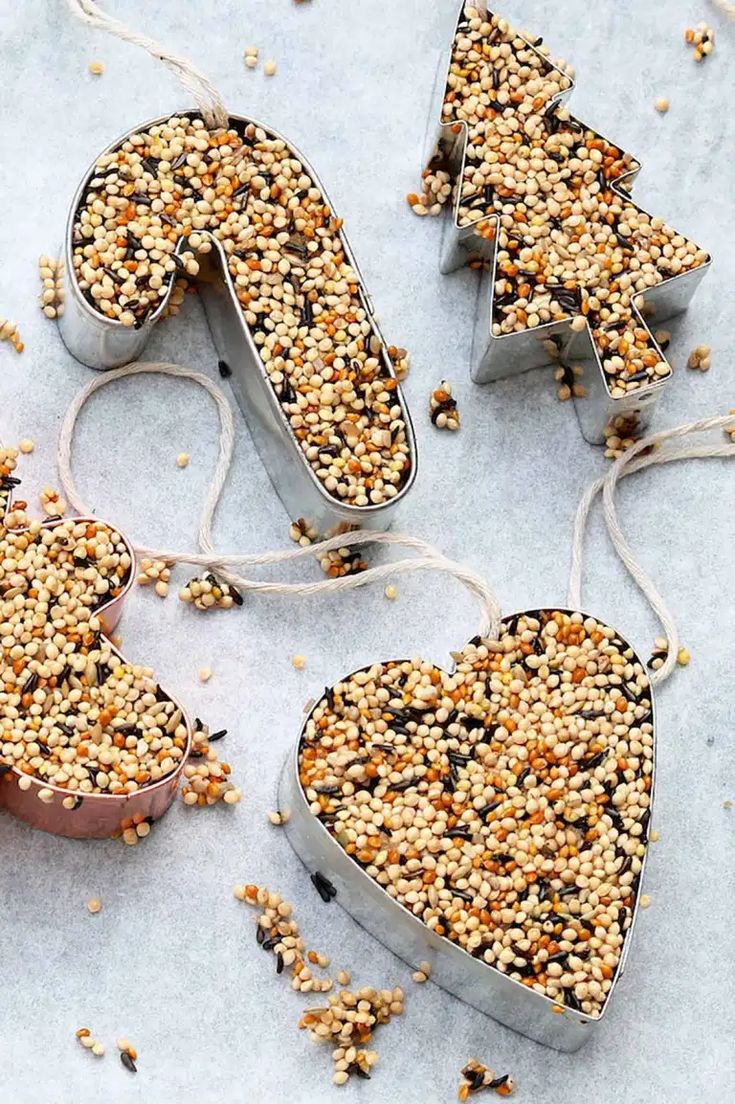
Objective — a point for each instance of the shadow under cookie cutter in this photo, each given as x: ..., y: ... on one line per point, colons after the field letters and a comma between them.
x: 105, y: 343
x: 497, y: 357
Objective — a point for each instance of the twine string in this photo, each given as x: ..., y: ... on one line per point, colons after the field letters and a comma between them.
x: 631, y: 461
x: 429, y: 558
x: 208, y: 99
x: 636, y: 458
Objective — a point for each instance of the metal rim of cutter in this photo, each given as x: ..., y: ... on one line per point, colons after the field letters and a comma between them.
x: 98, y: 815
x: 472, y: 980
x: 104, y: 343
x: 494, y: 356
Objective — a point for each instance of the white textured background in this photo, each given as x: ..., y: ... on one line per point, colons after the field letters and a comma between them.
x: 171, y: 961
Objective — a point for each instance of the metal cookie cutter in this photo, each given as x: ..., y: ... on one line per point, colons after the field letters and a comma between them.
x: 95, y: 815
x: 476, y: 982
x: 104, y: 343
x: 495, y: 357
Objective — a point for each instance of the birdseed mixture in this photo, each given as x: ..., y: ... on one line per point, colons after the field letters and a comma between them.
x: 567, y: 243
x: 443, y: 409
x: 347, y: 1022
x: 147, y: 214
x: 72, y: 712
x: 505, y: 804
x: 477, y: 1077
x: 206, y: 780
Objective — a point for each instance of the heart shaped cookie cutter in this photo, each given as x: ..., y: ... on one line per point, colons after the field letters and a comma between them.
x: 471, y: 237
x: 104, y: 343
x: 74, y: 813
x: 480, y: 984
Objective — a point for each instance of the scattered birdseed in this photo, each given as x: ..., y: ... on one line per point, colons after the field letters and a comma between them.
x: 51, y: 272
x: 702, y: 38
x: 26, y: 445
x: 443, y: 408
x: 299, y: 662
x: 659, y: 654
x: 343, y: 561
x: 128, y: 1061
x: 344, y: 977
x: 645, y: 901
x: 278, y: 818
x: 662, y: 105
x: 269, y: 68
x: 700, y: 358
x: 302, y: 299
x: 205, y: 674
x: 9, y: 332
x: 727, y: 805
x: 478, y: 1077
x: 655, y: 837
x: 52, y: 504
x: 96, y: 68
x: 209, y: 592
x: 89, y: 1043
x: 303, y: 533
x: 348, y: 1020
x: 207, y: 781
x: 73, y: 713
x: 401, y: 361
x: 390, y: 592
x: 423, y: 973
x: 421, y: 775
x: 278, y: 932
x: 182, y: 460
x: 683, y: 657
x: 94, y: 905
x: 620, y: 434
x: 535, y: 167
x: 157, y: 572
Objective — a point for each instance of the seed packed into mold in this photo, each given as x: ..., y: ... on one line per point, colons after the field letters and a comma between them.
x: 505, y: 804
x: 151, y: 210
x: 567, y: 244
x: 73, y: 713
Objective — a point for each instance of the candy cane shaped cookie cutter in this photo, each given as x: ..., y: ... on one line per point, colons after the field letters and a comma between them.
x: 103, y: 343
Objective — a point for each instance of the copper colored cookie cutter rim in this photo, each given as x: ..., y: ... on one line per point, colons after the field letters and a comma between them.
x: 495, y: 357
x: 104, y: 343
x: 473, y: 981
x: 98, y: 816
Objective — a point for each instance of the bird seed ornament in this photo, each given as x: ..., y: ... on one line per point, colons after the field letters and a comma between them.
x: 90, y: 743
x: 209, y: 196
x: 573, y: 271
x: 490, y: 819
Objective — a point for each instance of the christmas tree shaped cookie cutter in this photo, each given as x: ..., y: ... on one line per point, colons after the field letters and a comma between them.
x: 482, y: 228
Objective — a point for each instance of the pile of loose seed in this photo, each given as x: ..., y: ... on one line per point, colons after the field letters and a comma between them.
x: 72, y: 711
x: 506, y: 804
x: 148, y: 212
x: 10, y: 332
x: 347, y: 1022
x: 567, y: 243
x: 478, y: 1077
x: 51, y: 272
x: 443, y: 408
x: 660, y: 653
x: 702, y: 38
x: 700, y: 358
x: 208, y: 781
x: 278, y: 932
x: 157, y: 572
x: 209, y: 592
